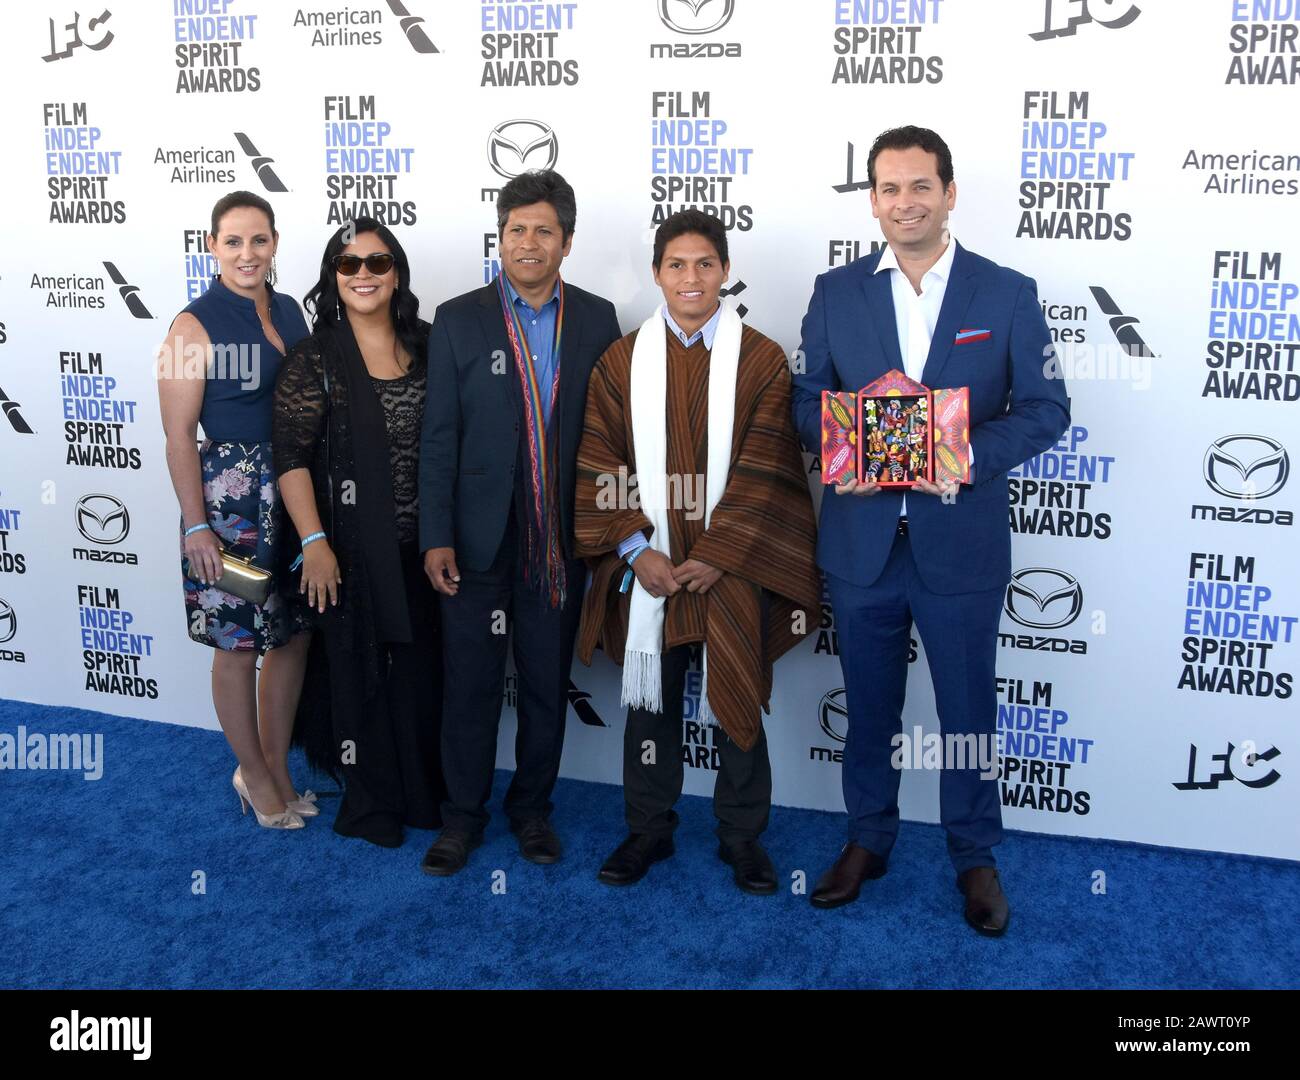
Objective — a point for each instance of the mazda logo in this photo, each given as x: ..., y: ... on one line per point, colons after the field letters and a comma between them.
x: 517, y: 146
x: 833, y: 714
x: 1246, y: 466
x: 8, y: 622
x: 1043, y: 599
x: 102, y: 519
x: 696, y: 16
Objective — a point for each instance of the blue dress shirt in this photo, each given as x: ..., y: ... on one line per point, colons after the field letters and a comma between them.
x: 539, y: 329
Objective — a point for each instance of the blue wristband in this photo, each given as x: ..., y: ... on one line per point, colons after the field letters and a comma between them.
x: 312, y: 538
x: 197, y: 528
x: 631, y: 558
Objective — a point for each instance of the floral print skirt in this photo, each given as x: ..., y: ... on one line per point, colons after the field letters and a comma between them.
x: 244, y: 509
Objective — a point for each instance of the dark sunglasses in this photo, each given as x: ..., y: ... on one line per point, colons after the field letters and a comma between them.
x: 350, y: 265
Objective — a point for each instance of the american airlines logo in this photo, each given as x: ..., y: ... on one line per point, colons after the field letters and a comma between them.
x: 129, y: 293
x: 261, y: 164
x: 518, y: 146
x: 410, y: 24
x: 736, y: 290
x: 581, y: 702
x: 1124, y: 327
x: 11, y: 408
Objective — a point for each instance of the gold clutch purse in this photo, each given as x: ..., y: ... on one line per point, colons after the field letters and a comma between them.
x: 241, y: 578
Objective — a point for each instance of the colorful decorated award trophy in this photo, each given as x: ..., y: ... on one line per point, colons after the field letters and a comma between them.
x: 894, y: 432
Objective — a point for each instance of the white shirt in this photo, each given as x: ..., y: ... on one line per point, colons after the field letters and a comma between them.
x: 915, y: 316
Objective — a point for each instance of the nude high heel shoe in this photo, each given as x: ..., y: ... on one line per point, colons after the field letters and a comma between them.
x: 286, y: 820
x: 304, y: 805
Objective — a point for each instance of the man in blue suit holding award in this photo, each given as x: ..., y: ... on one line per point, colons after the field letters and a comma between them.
x: 940, y: 555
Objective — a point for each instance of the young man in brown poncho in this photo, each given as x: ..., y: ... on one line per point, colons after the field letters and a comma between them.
x: 712, y: 546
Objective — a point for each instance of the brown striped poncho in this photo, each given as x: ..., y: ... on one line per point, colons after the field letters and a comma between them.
x: 762, y: 533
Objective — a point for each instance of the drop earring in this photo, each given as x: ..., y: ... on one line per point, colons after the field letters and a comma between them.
x: 272, y: 277
x: 338, y: 314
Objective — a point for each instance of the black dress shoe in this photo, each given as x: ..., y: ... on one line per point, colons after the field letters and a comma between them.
x: 987, y: 910
x: 754, y: 873
x: 537, y: 841
x: 449, y: 852
x: 633, y: 857
x: 842, y: 882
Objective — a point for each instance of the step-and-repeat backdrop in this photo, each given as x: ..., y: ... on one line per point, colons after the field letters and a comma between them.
x: 1138, y: 159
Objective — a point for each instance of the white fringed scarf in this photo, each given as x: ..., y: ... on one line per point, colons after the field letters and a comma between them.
x: 642, y: 670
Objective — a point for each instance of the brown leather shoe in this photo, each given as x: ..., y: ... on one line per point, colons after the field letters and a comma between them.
x: 986, y: 905
x: 842, y: 882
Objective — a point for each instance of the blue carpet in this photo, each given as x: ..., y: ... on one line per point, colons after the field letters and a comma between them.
x: 95, y: 891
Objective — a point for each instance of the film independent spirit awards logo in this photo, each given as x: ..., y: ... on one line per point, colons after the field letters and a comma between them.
x: 1042, y: 598
x: 102, y: 519
x: 1246, y: 466
x: 518, y: 146
x: 696, y: 16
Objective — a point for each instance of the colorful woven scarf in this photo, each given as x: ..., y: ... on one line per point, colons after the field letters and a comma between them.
x: 543, y: 556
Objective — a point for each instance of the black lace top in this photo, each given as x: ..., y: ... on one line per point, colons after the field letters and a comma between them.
x: 403, y: 403
x: 330, y: 418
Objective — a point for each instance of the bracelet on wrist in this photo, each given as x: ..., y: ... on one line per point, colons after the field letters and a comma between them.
x: 197, y: 528
x: 312, y: 538
x: 631, y: 557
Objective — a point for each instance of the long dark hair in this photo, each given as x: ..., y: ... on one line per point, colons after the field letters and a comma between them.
x: 323, y: 299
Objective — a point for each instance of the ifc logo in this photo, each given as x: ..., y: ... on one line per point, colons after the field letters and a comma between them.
x: 833, y: 714
x: 1246, y: 466
x: 696, y: 16
x: 1036, y: 589
x: 102, y: 519
x: 8, y: 621
x: 513, y: 142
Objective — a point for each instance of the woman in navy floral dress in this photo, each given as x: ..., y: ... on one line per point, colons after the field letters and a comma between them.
x: 218, y: 369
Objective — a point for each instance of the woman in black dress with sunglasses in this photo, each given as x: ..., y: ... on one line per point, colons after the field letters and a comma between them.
x: 348, y: 409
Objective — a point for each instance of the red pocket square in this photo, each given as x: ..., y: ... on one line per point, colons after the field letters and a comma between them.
x: 966, y: 337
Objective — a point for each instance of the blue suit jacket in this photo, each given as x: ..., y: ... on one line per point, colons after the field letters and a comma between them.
x: 850, y: 337
x: 470, y: 439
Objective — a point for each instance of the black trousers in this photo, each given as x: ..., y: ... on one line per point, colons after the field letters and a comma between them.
x: 474, y: 658
x: 393, y: 775
x: 742, y: 793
